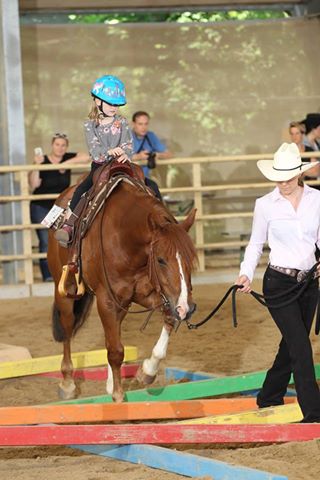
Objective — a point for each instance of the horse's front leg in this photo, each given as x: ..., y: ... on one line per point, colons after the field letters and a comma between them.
x: 63, y: 323
x: 150, y: 366
x: 67, y: 387
x: 111, y: 319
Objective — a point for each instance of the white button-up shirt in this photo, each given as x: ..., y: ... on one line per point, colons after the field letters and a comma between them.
x: 292, y: 234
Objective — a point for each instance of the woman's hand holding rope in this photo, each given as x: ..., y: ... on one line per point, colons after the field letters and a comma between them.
x: 245, y: 282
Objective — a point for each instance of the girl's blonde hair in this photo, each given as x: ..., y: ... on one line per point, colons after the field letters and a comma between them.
x: 94, y: 113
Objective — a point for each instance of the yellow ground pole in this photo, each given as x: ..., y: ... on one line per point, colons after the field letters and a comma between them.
x: 34, y: 366
x: 281, y: 414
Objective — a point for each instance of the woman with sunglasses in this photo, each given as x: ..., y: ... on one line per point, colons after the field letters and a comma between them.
x: 108, y: 137
x: 50, y: 181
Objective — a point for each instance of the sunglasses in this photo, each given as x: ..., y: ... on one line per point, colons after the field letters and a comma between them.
x: 60, y: 135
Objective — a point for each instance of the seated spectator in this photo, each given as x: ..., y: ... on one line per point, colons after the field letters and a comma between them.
x: 147, y: 147
x: 312, y: 137
x: 296, y: 132
x: 50, y: 182
x: 311, y: 141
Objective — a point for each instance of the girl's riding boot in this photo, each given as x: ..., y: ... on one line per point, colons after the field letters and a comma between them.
x: 65, y: 233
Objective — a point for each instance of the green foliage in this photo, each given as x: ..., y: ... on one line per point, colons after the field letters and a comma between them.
x: 180, y: 17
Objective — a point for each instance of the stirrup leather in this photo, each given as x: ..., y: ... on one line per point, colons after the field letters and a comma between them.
x: 63, y: 287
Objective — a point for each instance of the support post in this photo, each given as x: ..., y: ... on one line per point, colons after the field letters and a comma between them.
x: 196, y: 170
x: 12, y: 144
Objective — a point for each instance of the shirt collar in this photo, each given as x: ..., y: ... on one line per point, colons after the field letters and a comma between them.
x: 276, y: 195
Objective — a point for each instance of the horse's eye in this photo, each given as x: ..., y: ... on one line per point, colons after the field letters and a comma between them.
x: 161, y: 261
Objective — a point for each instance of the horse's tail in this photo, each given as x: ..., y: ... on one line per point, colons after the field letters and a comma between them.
x: 81, y: 310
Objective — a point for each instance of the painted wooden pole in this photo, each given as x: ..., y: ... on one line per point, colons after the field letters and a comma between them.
x: 281, y: 414
x: 122, y: 411
x: 177, y: 462
x: 155, y: 434
x: 34, y: 366
x: 190, y: 390
x: 176, y: 374
x: 128, y: 370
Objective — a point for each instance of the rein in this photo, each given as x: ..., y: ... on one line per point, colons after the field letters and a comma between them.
x: 164, y: 304
x: 264, y: 300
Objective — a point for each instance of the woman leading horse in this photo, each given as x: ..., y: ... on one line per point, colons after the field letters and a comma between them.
x: 135, y: 251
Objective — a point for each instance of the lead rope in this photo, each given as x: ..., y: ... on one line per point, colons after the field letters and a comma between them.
x: 264, y: 301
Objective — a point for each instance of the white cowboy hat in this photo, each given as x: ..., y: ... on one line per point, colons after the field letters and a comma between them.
x: 286, y: 164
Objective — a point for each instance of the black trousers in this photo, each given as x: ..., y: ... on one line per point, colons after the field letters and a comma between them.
x: 154, y: 186
x: 84, y: 186
x: 295, y: 351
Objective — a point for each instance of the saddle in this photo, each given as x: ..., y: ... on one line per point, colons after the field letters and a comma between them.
x: 105, y: 181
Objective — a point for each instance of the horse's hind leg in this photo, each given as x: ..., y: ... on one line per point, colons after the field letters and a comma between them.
x: 111, y: 320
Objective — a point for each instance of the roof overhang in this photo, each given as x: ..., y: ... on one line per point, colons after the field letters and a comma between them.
x: 105, y: 5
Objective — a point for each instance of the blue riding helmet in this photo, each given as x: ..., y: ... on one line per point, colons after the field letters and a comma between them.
x: 109, y: 89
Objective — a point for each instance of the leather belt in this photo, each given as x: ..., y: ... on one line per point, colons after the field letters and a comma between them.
x: 299, y: 275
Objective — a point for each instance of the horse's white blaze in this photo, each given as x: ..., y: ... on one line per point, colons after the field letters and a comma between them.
x: 182, y: 305
x: 151, y: 365
x: 109, y: 385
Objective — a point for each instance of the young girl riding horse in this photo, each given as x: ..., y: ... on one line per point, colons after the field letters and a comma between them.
x: 108, y: 137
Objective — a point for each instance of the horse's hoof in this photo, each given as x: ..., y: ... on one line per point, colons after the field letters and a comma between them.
x: 144, y: 378
x: 67, y: 392
x: 118, y: 397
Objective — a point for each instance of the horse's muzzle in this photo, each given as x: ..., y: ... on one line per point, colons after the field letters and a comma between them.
x: 192, y: 309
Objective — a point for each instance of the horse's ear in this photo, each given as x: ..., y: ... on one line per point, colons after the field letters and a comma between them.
x: 189, y: 221
x: 152, y: 223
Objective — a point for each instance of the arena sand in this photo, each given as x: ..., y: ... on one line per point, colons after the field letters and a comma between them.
x: 217, y: 347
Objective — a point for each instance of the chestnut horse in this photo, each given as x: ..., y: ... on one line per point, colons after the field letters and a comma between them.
x: 135, y: 251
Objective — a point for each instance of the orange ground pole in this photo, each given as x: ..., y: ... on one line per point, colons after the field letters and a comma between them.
x: 109, y: 412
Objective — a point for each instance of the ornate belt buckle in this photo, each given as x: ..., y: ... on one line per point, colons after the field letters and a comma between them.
x: 301, y: 275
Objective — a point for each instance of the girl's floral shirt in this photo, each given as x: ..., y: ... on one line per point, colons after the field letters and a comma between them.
x: 101, y: 138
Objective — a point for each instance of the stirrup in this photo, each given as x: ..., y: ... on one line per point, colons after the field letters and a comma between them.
x: 63, y: 286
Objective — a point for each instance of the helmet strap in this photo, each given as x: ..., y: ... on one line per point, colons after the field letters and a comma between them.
x: 101, y: 109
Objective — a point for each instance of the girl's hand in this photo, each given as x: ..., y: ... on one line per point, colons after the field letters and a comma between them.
x: 115, y: 152
x: 123, y: 158
x: 244, y: 280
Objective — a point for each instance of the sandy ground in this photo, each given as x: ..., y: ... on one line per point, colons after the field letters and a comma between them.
x: 217, y: 347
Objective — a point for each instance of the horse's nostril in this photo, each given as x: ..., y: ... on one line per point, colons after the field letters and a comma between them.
x: 180, y: 312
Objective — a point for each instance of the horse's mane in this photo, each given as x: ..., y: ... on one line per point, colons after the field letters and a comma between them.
x: 173, y: 236
x: 168, y: 231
